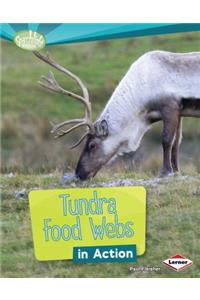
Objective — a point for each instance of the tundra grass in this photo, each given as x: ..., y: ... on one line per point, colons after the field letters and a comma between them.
x: 173, y: 221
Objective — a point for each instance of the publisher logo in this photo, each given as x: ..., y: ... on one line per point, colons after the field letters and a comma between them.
x: 29, y: 40
x: 177, y: 262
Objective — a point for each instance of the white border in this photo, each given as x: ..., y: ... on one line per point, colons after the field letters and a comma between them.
x: 98, y: 11
x: 99, y: 289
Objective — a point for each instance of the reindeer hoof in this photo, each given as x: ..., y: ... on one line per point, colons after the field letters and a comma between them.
x: 166, y: 173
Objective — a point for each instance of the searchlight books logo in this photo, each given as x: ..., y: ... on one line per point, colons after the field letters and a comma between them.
x: 177, y: 262
x: 29, y: 40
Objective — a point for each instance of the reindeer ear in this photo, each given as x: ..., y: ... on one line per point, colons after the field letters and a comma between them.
x: 102, y: 128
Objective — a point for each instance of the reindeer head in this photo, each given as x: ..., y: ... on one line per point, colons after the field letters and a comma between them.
x: 94, y: 155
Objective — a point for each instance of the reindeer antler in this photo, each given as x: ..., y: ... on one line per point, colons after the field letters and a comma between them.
x: 50, y: 83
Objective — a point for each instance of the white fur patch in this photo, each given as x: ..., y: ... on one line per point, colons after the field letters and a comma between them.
x: 127, y: 140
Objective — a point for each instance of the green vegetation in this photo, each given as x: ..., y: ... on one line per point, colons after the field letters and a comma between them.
x: 172, y: 227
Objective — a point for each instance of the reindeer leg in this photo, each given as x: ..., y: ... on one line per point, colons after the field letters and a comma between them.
x: 170, y: 116
x: 175, y: 148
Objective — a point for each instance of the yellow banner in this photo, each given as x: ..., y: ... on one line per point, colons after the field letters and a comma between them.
x: 80, y: 217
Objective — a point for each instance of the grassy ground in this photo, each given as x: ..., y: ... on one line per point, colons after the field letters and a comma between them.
x: 172, y: 227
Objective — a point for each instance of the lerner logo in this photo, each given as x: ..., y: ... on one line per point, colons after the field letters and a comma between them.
x: 177, y: 262
x: 29, y: 40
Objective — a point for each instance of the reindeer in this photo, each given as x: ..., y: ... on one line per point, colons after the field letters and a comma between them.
x: 159, y: 86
